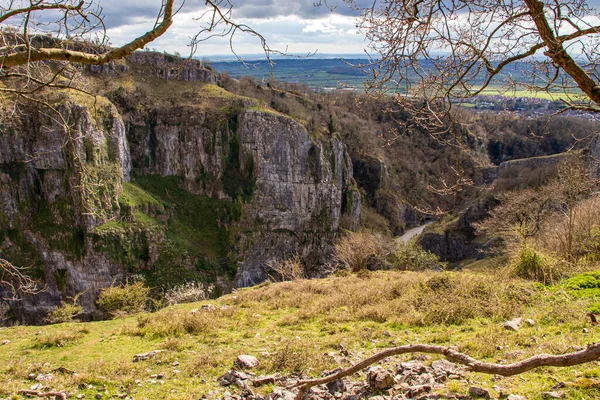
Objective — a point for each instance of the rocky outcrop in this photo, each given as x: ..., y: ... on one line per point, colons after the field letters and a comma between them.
x: 159, y: 65
x: 294, y: 189
x: 60, y: 178
x: 171, y: 194
x: 298, y: 203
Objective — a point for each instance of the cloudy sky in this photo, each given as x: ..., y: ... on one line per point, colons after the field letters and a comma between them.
x: 295, y: 25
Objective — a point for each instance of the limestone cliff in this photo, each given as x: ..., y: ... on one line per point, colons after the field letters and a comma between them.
x: 205, y: 185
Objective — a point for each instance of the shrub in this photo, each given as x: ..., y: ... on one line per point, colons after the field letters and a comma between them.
x: 361, y: 250
x: 588, y: 280
x: 57, y: 339
x: 188, y: 293
x: 411, y: 257
x: 289, y: 269
x: 170, y: 323
x: 531, y: 264
x: 124, y: 299
x: 64, y: 313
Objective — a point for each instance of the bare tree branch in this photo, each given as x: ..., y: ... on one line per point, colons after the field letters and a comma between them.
x: 591, y: 353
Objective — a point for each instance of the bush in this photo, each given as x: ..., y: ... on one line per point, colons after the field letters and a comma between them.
x: 588, y: 280
x: 125, y: 299
x: 64, y: 313
x: 289, y: 269
x: 188, y: 293
x: 411, y: 257
x: 531, y: 264
x: 361, y: 250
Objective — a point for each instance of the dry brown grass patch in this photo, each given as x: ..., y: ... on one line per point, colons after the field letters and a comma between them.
x: 403, y: 297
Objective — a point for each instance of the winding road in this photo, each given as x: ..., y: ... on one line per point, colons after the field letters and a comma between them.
x: 411, y: 233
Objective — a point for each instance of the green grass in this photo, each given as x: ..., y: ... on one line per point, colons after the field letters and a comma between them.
x: 293, y: 326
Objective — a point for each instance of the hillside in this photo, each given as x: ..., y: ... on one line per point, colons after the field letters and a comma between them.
x: 305, y: 327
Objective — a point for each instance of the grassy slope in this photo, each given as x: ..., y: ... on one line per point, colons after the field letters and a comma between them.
x: 292, y: 326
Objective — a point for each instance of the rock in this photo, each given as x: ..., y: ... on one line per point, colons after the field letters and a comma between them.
x: 281, y: 394
x: 515, y: 397
x: 552, y: 395
x: 4, y: 342
x: 336, y: 386
x: 44, y: 377
x: 513, y: 324
x: 145, y: 356
x: 416, y: 390
x: 445, y: 366
x: 246, y: 361
x: 208, y: 307
x: 379, y: 379
x: 265, y: 380
x: 231, y: 377
x: 530, y: 322
x: 476, y: 391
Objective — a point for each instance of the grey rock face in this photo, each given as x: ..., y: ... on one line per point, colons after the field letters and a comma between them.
x: 48, y: 201
x: 294, y: 191
x: 300, y: 189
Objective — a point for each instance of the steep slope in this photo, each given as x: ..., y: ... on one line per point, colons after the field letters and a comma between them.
x: 181, y: 181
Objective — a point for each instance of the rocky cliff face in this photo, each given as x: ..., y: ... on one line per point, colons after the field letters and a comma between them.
x: 57, y: 184
x: 171, y: 193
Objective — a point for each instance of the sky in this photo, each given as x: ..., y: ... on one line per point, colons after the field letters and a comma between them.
x: 295, y: 26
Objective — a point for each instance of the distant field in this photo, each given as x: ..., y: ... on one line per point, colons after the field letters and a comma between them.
x: 315, y: 73
x: 330, y: 73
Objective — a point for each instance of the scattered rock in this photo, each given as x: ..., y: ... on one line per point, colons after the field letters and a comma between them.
x: 552, y: 395
x: 44, y: 377
x: 336, y: 386
x: 585, y: 330
x: 446, y: 366
x: 476, y: 391
x: 530, y: 322
x: 265, y: 380
x: 231, y: 377
x: 208, y: 307
x: 6, y: 341
x: 379, y: 379
x: 343, y: 350
x: 145, y: 356
x: 245, y: 361
x: 513, y: 324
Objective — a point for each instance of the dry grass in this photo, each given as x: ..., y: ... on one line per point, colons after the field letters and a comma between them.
x: 289, y: 269
x: 404, y: 297
x: 296, y: 326
x: 585, y: 233
x: 361, y: 250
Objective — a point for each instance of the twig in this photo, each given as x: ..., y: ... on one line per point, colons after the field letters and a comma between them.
x: 59, y: 395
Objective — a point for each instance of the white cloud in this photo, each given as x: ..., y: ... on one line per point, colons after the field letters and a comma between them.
x: 328, y: 32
